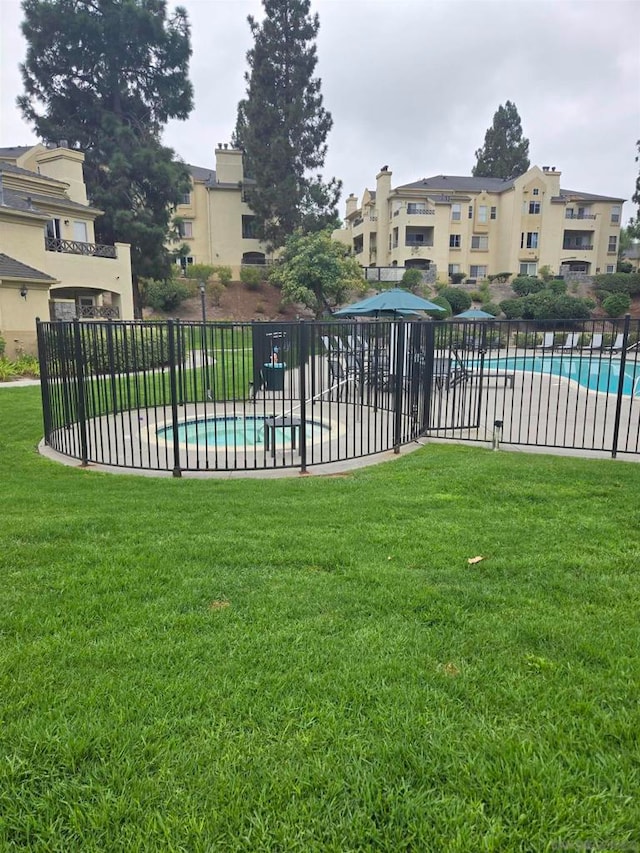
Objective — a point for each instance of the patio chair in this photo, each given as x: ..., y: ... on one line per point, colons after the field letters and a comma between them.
x: 448, y: 371
x: 571, y: 341
x: 617, y: 345
x: 595, y: 343
x: 547, y: 341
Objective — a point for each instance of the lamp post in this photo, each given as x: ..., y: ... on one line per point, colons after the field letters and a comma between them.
x: 201, y: 285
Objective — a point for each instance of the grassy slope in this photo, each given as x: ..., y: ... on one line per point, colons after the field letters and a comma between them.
x: 311, y: 664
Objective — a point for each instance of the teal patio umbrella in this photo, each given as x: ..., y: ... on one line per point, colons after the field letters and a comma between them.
x: 474, y: 314
x: 389, y: 302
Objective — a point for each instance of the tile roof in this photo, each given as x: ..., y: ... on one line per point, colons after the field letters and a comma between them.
x: 459, y: 183
x: 589, y: 196
x: 200, y: 174
x: 10, y: 268
x: 14, y: 151
x: 5, y: 166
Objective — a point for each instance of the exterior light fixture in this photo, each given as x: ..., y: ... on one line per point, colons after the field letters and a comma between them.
x: 23, y: 291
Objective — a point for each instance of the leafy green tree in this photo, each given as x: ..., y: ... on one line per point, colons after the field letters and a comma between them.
x: 411, y: 279
x: 505, y: 153
x: 633, y: 228
x: 106, y: 76
x: 616, y: 304
x: 282, y: 126
x: 317, y: 271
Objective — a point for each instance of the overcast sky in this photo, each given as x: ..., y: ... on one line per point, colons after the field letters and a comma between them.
x: 415, y: 84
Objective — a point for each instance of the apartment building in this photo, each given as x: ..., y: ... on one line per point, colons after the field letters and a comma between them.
x: 50, y: 264
x: 214, y: 220
x: 483, y: 226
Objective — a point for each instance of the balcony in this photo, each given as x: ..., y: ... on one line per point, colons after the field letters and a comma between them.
x: 569, y: 214
x: 97, y: 312
x: 577, y: 247
x: 75, y: 247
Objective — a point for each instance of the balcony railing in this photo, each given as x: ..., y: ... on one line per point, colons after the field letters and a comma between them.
x: 76, y: 247
x: 570, y: 215
x: 416, y: 244
x: 587, y: 247
x: 98, y: 312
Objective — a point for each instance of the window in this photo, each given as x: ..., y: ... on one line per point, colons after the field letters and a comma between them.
x: 615, y: 213
x: 185, y: 261
x: 478, y: 271
x: 414, y: 207
x: 454, y: 268
x: 529, y: 240
x: 454, y: 241
x: 248, y: 227
x: 470, y: 211
x: 456, y: 211
x: 611, y: 268
x: 528, y: 269
x: 613, y: 244
x: 536, y: 191
x: 534, y: 207
x: 185, y: 229
x: 186, y: 198
x: 80, y: 232
x: 480, y: 242
x: 482, y: 213
x: 52, y: 229
x: 494, y: 212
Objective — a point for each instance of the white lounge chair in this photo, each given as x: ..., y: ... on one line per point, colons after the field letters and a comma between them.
x: 618, y: 344
x: 595, y: 343
x: 547, y: 341
x: 571, y: 341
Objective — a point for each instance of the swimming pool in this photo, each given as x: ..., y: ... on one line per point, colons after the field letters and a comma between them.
x: 593, y: 373
x: 241, y: 431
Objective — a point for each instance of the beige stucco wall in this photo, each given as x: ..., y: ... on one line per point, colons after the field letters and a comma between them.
x: 18, y: 315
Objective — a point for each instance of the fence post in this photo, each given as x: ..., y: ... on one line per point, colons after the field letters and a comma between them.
x: 81, y: 398
x: 623, y: 361
x: 177, y: 472
x: 302, y: 374
x: 44, y: 381
x: 399, y: 328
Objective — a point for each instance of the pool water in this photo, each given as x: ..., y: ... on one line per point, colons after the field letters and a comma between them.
x: 235, y: 432
x: 592, y: 373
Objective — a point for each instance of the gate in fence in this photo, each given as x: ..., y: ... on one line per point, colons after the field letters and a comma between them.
x: 176, y: 396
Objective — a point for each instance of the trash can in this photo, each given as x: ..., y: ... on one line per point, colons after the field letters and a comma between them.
x: 274, y: 376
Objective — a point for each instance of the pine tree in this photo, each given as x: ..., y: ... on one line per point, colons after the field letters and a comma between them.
x: 633, y: 228
x: 106, y: 75
x: 505, y: 153
x: 282, y: 125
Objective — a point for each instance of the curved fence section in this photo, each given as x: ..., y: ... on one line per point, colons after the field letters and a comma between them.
x: 176, y: 396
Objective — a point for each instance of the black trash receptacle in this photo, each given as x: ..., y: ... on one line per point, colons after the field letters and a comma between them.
x: 274, y: 376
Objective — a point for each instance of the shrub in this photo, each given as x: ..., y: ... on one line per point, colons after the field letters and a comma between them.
x: 617, y: 304
x: 3, y: 346
x: 216, y: 290
x: 458, y: 299
x: 457, y: 277
x: 7, y: 369
x: 260, y: 309
x: 476, y: 295
x: 526, y: 339
x: 525, y: 285
x: 557, y: 286
x: 224, y: 274
x: 500, y: 277
x: 545, y: 273
x: 441, y: 315
x: 490, y: 308
x: 618, y: 282
x: 251, y: 277
x: 512, y: 308
x: 199, y: 272
x: 411, y: 278
x: 165, y: 295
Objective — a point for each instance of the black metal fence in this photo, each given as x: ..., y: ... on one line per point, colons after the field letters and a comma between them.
x: 176, y: 396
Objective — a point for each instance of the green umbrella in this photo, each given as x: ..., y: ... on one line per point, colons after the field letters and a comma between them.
x: 394, y: 301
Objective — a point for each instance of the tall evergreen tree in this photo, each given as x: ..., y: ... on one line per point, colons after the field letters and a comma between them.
x: 282, y: 125
x: 505, y: 153
x: 633, y: 228
x: 106, y: 75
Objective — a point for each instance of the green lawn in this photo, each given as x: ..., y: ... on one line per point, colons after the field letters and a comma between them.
x: 311, y: 664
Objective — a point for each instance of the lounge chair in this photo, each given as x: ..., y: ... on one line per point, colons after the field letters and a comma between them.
x: 547, y: 341
x: 595, y: 343
x: 571, y: 341
x: 448, y: 372
x: 617, y: 345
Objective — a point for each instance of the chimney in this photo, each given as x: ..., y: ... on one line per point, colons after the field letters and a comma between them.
x: 352, y: 204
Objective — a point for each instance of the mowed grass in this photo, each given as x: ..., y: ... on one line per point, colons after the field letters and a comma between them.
x: 311, y: 664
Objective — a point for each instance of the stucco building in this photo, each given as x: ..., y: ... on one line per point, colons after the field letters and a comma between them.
x: 50, y: 264
x: 483, y: 226
x: 214, y: 219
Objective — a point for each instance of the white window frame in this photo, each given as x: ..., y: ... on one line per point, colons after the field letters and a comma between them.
x: 529, y: 239
x: 185, y: 199
x: 185, y: 229
x: 456, y: 212
x: 454, y: 268
x: 611, y: 268
x: 80, y: 231
x: 529, y: 269
x: 612, y: 245
x: 480, y: 242
x: 536, y: 191
x: 616, y: 210
x: 482, y: 214
x: 493, y: 213
x: 534, y: 208
x: 455, y: 241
